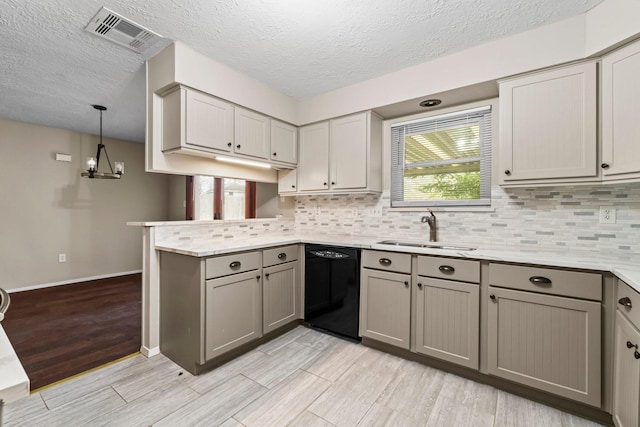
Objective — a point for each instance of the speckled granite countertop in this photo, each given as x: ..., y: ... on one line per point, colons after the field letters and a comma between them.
x: 629, y: 271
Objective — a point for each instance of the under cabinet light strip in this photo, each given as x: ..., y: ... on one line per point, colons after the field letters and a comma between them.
x: 243, y: 162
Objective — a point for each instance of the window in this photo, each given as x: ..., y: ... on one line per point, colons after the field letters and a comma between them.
x: 222, y: 198
x: 442, y: 160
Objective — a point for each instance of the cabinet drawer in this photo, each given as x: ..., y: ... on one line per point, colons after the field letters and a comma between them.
x: 388, y: 261
x: 547, y: 281
x: 231, y: 264
x: 449, y: 268
x: 279, y: 255
x: 630, y: 307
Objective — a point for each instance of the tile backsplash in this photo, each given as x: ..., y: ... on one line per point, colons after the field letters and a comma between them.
x: 549, y: 217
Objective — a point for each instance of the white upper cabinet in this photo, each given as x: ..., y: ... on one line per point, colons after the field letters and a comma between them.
x: 205, y: 122
x: 313, y: 163
x: 284, y: 142
x: 548, y: 126
x: 621, y: 114
x: 342, y: 155
x: 287, y: 181
x: 252, y: 134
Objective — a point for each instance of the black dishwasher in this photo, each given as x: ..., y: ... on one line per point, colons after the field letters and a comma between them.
x: 332, y: 289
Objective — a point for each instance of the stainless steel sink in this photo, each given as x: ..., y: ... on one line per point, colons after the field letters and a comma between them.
x: 431, y: 245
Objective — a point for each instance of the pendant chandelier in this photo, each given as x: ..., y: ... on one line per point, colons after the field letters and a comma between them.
x: 93, y: 163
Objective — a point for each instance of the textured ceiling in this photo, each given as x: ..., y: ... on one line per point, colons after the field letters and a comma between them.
x: 51, y: 69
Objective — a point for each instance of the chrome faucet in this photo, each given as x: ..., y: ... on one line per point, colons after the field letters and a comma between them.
x: 431, y: 220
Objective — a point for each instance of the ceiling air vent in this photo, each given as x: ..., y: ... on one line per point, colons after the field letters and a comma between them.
x: 111, y: 26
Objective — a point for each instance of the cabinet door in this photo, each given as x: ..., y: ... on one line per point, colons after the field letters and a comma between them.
x: 252, y: 133
x: 626, y: 380
x: 348, y: 151
x: 447, y: 320
x: 287, y: 181
x: 313, y: 163
x: 233, y: 312
x: 547, y: 342
x: 385, y: 307
x: 284, y: 142
x: 280, y: 292
x: 548, y: 125
x: 621, y: 113
x: 208, y: 121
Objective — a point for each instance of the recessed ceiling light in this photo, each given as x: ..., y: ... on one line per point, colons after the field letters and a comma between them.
x: 430, y: 102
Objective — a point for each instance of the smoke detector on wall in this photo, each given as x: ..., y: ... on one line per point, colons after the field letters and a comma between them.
x: 111, y: 26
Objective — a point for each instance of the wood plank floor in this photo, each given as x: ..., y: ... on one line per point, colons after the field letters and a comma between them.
x: 303, y: 378
x: 61, y: 331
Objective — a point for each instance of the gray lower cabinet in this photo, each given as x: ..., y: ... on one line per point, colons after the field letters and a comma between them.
x: 447, y: 320
x: 626, y: 377
x: 547, y: 342
x: 385, y: 307
x: 280, y: 295
x: 448, y: 309
x: 233, y: 312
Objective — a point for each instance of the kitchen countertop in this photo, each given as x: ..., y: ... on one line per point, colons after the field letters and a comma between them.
x: 629, y: 271
x: 14, y: 383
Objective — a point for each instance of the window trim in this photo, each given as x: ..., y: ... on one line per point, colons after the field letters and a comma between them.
x: 396, y: 156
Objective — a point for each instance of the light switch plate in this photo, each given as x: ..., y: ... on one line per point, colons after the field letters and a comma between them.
x: 607, y: 215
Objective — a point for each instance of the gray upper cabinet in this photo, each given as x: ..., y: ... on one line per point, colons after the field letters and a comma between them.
x: 313, y: 163
x: 548, y: 126
x: 252, y: 134
x: 284, y: 142
x: 342, y: 155
x: 197, y: 121
x: 621, y: 114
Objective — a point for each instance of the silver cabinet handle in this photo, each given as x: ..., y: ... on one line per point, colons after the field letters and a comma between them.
x: 235, y: 264
x: 282, y: 255
x: 385, y: 261
x: 446, y: 269
x: 625, y: 301
x: 540, y: 281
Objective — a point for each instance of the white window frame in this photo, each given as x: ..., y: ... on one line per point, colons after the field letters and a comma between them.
x: 397, y: 157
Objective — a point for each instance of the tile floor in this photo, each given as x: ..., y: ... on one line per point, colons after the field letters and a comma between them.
x: 303, y: 378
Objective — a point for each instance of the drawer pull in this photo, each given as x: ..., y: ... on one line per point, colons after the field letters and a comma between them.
x: 385, y: 261
x: 636, y: 354
x: 282, y: 255
x: 447, y: 269
x: 540, y: 281
x: 631, y: 345
x: 419, y: 285
x: 235, y: 264
x: 625, y: 301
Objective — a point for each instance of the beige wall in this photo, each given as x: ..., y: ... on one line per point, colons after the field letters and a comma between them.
x: 47, y: 209
x: 269, y: 204
x: 177, y: 197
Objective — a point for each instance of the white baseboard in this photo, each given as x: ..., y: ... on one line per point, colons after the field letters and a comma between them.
x: 68, y: 282
x: 149, y: 352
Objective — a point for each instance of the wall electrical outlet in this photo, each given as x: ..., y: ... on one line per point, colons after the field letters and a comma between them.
x: 354, y: 212
x: 607, y: 215
x: 377, y: 211
x: 62, y: 257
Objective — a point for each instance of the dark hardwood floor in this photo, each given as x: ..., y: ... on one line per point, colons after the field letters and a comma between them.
x: 61, y: 331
